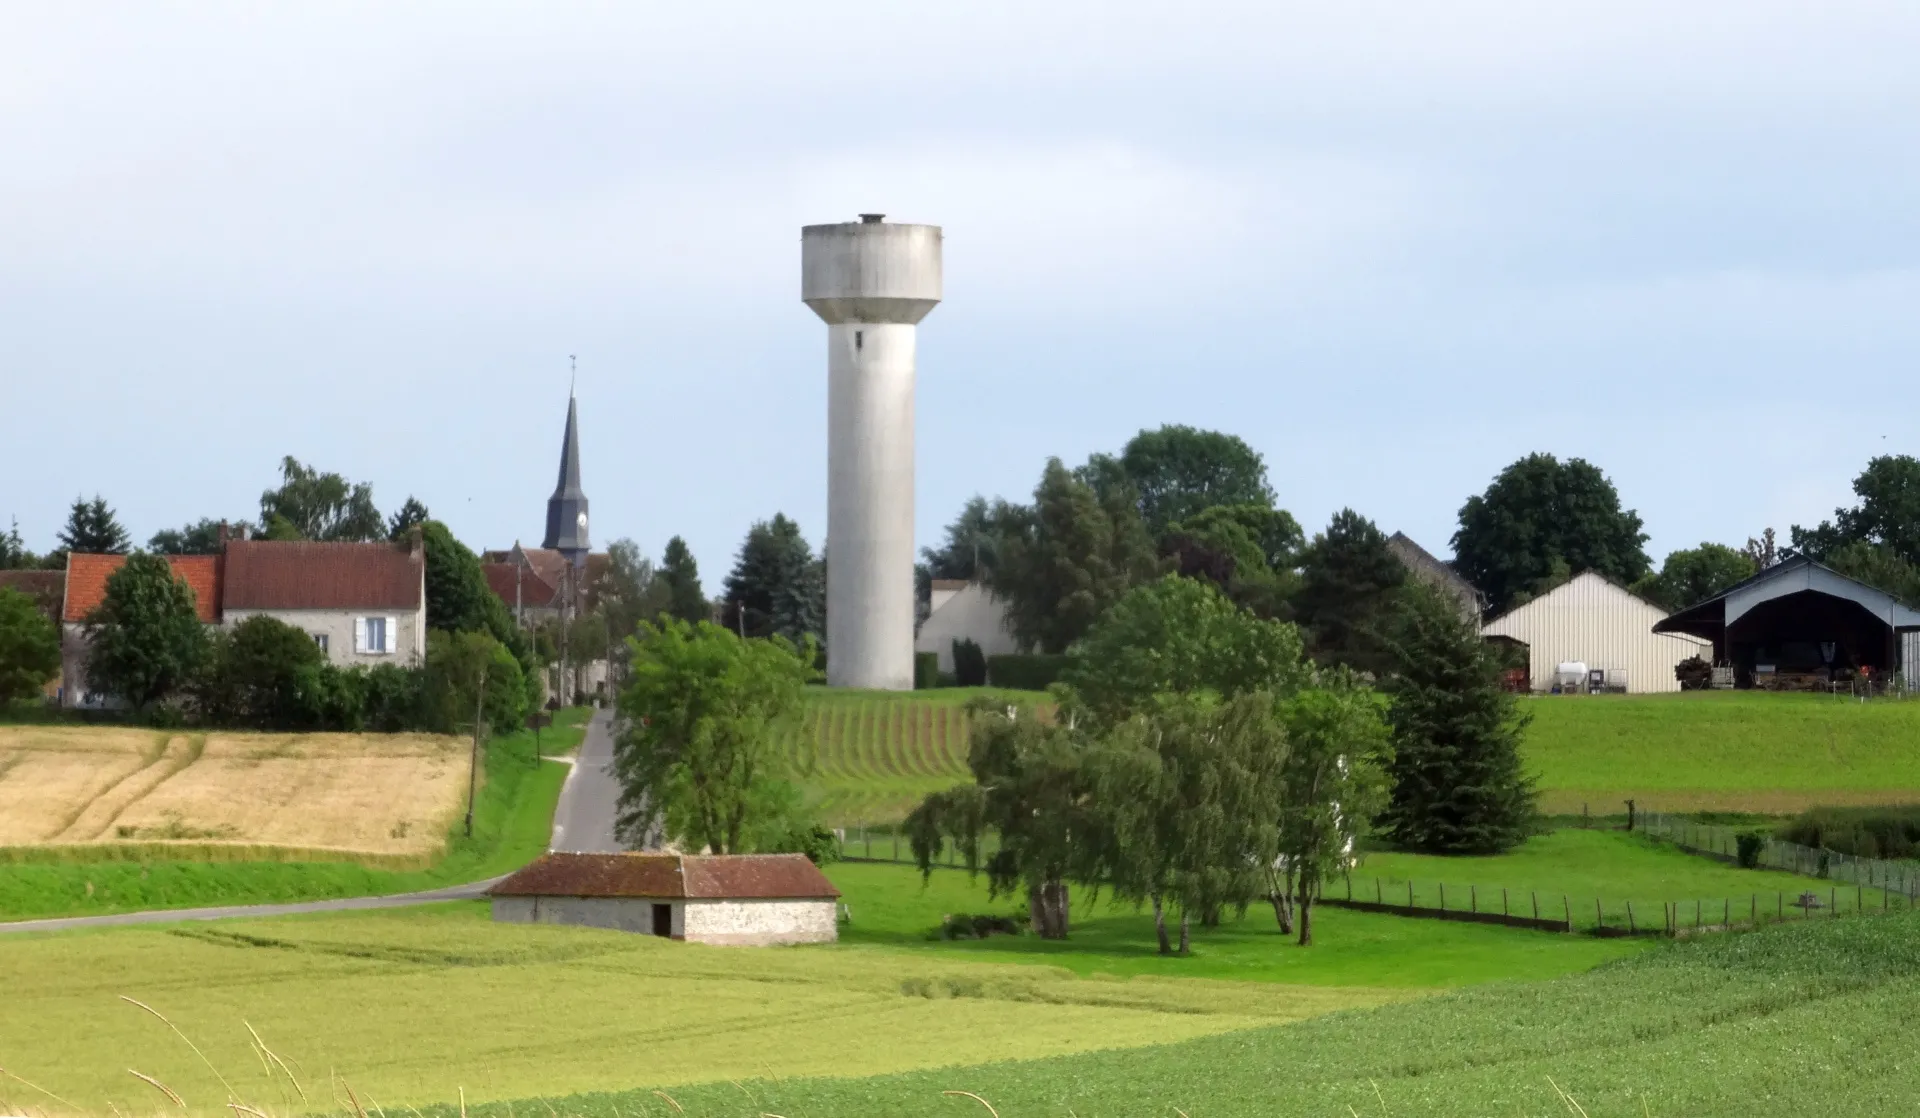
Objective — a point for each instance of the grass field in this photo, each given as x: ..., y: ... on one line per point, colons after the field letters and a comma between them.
x: 1722, y: 751
x: 380, y: 795
x: 414, y: 1007
x: 513, y: 817
x: 876, y: 754
x: 1812, y: 1018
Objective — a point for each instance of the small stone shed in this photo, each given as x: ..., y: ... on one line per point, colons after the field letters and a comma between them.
x: 739, y: 899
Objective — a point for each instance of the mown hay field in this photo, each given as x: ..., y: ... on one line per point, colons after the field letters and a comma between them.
x: 869, y: 756
x: 417, y: 1006
x: 1721, y: 751
x: 87, y: 791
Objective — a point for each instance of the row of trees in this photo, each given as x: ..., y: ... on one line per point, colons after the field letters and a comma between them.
x: 1200, y: 762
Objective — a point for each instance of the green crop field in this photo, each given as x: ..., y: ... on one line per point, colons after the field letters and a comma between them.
x: 416, y: 1007
x: 872, y: 755
x: 513, y: 819
x: 1812, y: 1018
x: 1722, y: 751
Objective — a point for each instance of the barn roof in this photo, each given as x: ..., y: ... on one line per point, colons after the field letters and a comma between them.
x: 714, y: 877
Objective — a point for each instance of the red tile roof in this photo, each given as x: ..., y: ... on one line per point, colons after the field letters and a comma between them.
x: 87, y: 583
x: 671, y: 877
x: 535, y: 592
x: 276, y: 574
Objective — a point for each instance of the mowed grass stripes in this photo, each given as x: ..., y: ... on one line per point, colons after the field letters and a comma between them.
x: 870, y: 756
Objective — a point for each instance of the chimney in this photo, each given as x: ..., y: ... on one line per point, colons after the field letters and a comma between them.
x: 223, y: 537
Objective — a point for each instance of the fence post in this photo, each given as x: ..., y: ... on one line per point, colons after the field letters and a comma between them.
x: 1599, y: 918
x: 1503, y: 901
x: 1443, y: 896
x: 1536, y: 906
x: 1377, y: 896
x: 1567, y: 905
x: 1726, y: 918
x: 1833, y: 900
x: 1349, y: 886
x: 1779, y: 906
x: 1473, y: 898
x: 1696, y: 915
x: 896, y: 842
x: 1409, y: 896
x: 1630, y: 928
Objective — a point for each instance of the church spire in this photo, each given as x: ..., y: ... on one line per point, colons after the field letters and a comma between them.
x: 567, y: 508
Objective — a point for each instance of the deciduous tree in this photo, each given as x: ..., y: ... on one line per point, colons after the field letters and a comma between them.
x: 319, y: 506
x: 261, y: 673
x: 1333, y: 784
x: 1888, y: 514
x: 1695, y: 574
x: 1539, y: 512
x: 705, y: 753
x: 29, y: 647
x: 199, y: 538
x: 1179, y: 471
x: 145, y: 640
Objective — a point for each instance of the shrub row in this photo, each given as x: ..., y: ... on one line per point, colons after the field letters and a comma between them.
x: 1864, y: 832
x: 1023, y: 671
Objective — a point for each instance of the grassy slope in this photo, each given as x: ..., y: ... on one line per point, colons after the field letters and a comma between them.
x: 1583, y: 866
x: 1812, y: 1018
x: 415, y: 1006
x: 1740, y: 751
x: 875, y: 754
x: 890, y: 907
x: 513, y: 817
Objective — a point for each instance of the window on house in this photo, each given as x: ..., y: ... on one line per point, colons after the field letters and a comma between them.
x: 320, y: 639
x: 375, y: 630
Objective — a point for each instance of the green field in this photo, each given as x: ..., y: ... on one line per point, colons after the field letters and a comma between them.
x: 879, y: 753
x: 414, y: 1007
x: 870, y: 756
x: 1811, y: 1018
x: 1722, y: 751
x: 513, y: 819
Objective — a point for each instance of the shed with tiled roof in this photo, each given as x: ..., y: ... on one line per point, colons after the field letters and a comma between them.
x: 740, y: 899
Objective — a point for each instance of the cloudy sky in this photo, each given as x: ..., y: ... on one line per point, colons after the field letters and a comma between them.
x: 1392, y: 245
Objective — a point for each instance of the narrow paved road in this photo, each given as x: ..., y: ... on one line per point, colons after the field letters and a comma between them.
x: 583, y: 821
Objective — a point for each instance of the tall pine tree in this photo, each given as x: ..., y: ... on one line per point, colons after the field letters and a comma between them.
x: 777, y: 587
x: 1064, y: 559
x: 1458, y: 786
x: 681, y: 576
x: 93, y: 529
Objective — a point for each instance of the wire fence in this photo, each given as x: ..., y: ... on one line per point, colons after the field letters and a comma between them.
x: 1721, y: 841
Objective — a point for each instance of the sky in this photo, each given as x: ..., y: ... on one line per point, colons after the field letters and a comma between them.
x: 1393, y: 246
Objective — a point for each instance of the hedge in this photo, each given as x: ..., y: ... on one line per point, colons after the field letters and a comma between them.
x: 1021, y: 671
x: 926, y: 670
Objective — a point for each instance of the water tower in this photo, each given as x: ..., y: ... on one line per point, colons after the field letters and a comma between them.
x: 872, y: 282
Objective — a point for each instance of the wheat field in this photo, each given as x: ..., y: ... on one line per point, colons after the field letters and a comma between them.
x: 93, y: 788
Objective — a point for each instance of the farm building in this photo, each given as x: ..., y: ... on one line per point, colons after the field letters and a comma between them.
x: 737, y: 899
x: 963, y: 610
x: 1426, y: 567
x: 1594, y: 621
x: 1799, y: 624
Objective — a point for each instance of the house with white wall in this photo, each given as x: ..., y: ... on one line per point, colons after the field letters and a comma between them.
x: 963, y: 610
x: 86, y: 588
x: 362, y: 603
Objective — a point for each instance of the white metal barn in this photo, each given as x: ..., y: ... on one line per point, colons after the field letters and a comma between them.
x: 1593, y: 620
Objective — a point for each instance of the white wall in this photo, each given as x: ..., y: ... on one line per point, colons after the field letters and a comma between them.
x: 407, y: 634
x: 762, y: 923
x: 1593, y: 621
x: 972, y: 613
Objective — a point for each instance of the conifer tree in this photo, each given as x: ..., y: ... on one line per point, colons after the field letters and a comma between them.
x: 1064, y: 559
x: 681, y: 576
x: 1458, y: 785
x: 93, y: 529
x: 777, y: 587
x: 1350, y: 592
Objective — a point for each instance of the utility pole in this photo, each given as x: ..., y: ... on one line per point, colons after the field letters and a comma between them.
x: 473, y: 764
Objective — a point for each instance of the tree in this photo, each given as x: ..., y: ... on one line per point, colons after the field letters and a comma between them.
x: 13, y: 551
x: 316, y: 506
x: 1888, y: 514
x: 145, y: 639
x: 1249, y: 551
x: 708, y: 720
x: 1177, y: 637
x: 1762, y: 552
x: 1178, y: 471
x: 1878, y: 566
x: 1333, y: 783
x: 1540, y: 511
x: 680, y: 576
x: 92, y: 529
x: 1350, y: 594
x: 1188, y: 794
x: 408, y: 516
x: 261, y: 673
x: 199, y: 538
x: 29, y: 647
x: 458, y: 597
x: 1695, y: 574
x: 969, y: 549
x: 777, y: 588
x: 626, y: 593
x: 1064, y: 559
x: 1030, y: 788
x: 1458, y: 785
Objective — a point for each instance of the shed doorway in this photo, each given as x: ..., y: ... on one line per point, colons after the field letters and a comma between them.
x: 663, y: 920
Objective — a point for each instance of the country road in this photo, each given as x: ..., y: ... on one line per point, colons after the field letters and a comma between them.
x: 583, y: 821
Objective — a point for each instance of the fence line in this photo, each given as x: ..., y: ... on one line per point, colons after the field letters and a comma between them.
x: 1721, y: 841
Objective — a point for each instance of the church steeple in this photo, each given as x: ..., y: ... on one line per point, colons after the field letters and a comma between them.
x: 567, y: 508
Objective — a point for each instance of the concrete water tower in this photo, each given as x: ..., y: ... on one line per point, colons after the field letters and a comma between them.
x: 872, y: 282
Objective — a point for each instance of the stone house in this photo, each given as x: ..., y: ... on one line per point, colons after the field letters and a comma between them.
x: 727, y: 899
x: 363, y: 603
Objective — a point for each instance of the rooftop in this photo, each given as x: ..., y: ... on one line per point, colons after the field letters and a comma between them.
x: 87, y: 576
x: 276, y: 574
x: 671, y: 877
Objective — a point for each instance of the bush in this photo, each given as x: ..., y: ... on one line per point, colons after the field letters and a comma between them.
x: 266, y: 674
x: 1747, y: 846
x: 969, y: 663
x: 821, y: 846
x: 1022, y: 671
x: 926, y: 670
x: 1864, y: 832
x: 980, y: 926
